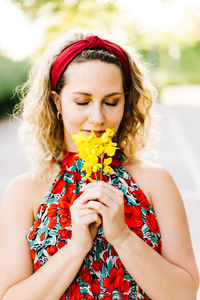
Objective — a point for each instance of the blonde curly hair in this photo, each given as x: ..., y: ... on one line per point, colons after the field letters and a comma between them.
x: 43, y: 132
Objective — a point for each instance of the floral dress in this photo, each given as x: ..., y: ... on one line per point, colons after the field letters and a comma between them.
x: 102, y: 274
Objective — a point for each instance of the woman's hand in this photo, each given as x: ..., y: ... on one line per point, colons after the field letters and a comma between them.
x: 108, y: 201
x: 85, y: 224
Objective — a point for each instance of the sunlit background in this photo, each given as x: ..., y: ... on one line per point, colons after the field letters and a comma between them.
x: 165, y: 32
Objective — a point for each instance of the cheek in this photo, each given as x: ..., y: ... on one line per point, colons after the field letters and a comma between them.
x: 72, y: 116
x: 116, y: 117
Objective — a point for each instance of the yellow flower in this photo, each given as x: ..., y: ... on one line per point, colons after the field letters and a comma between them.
x: 92, y: 149
x: 106, y: 163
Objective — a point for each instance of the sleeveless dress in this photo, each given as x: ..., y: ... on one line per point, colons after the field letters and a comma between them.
x: 102, y: 274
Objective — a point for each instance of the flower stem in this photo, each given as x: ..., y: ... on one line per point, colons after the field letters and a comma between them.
x: 102, y: 165
x: 96, y: 176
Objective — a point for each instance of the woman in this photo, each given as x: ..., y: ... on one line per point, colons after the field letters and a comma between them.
x: 124, y: 237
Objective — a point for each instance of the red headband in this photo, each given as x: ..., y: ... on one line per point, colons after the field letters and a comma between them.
x: 92, y: 42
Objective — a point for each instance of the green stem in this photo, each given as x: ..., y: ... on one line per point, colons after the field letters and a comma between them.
x: 96, y: 176
x: 102, y: 165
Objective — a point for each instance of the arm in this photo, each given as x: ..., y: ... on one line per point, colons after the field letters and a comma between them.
x: 16, y: 276
x: 171, y: 275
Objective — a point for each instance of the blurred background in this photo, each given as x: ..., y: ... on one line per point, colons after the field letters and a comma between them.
x: 167, y: 35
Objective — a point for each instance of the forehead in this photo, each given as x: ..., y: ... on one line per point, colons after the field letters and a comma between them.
x: 94, y: 74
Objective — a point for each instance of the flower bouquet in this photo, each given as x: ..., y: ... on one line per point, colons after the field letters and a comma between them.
x: 93, y: 150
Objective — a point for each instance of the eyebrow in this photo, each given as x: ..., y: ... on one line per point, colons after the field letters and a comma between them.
x: 106, y: 96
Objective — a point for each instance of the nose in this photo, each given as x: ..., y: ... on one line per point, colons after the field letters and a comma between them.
x: 97, y: 115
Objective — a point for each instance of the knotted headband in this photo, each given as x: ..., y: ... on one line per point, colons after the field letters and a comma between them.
x: 90, y: 42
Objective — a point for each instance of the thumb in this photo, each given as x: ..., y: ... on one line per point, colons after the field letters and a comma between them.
x: 98, y: 222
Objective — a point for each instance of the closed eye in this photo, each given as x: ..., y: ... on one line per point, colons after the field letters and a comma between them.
x: 107, y: 103
x: 110, y: 104
x: 82, y: 103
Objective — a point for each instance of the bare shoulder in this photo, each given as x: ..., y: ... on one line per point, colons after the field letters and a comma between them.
x: 24, y: 192
x: 18, y: 189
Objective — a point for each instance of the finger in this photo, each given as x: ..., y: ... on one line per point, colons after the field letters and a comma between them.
x: 82, y: 212
x: 89, y: 219
x: 106, y: 197
x: 98, y: 207
x: 99, y: 221
x: 103, y: 184
x: 94, y: 194
x: 79, y: 201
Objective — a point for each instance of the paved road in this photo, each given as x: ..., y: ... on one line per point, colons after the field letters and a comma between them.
x: 178, y: 147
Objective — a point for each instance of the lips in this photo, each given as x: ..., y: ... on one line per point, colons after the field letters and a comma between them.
x: 98, y: 133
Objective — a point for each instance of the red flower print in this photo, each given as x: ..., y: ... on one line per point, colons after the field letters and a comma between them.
x: 58, y: 186
x: 114, y: 280
x: 95, y: 287
x: 64, y: 212
x: 141, y: 197
x: 65, y: 221
x: 105, y: 255
x: 52, y: 250
x: 77, y: 177
x: 113, y: 252
x: 38, y: 210
x: 42, y: 236
x: 157, y: 247
x: 97, y: 265
x: 123, y: 288
x: 52, y: 223
x: 63, y: 297
x: 74, y: 197
x: 31, y: 234
x: 126, y: 297
x: 105, y: 178
x: 133, y: 216
x: 107, y: 297
x: 74, y: 292
x: 36, y: 224
x: 149, y: 242
x: 119, y: 263
x: 138, y: 231
x: 152, y: 223
x: 105, y: 242
x: 52, y: 210
x: 65, y: 234
x: 61, y: 244
x: 33, y: 254
x: 37, y: 265
x: 127, y: 180
x: 66, y: 200
x: 115, y: 160
x: 69, y: 159
x: 44, y: 207
x: 85, y: 275
x: 88, y: 297
x: 70, y: 188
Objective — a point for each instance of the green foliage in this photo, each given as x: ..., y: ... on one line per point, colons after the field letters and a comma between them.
x: 168, y: 71
x: 65, y: 14
x: 12, y: 75
x: 105, y: 15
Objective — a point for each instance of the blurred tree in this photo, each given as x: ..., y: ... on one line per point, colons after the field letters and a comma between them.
x: 166, y: 34
x: 12, y: 74
x: 64, y: 14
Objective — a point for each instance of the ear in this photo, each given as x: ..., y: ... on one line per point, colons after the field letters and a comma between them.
x: 57, y: 100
